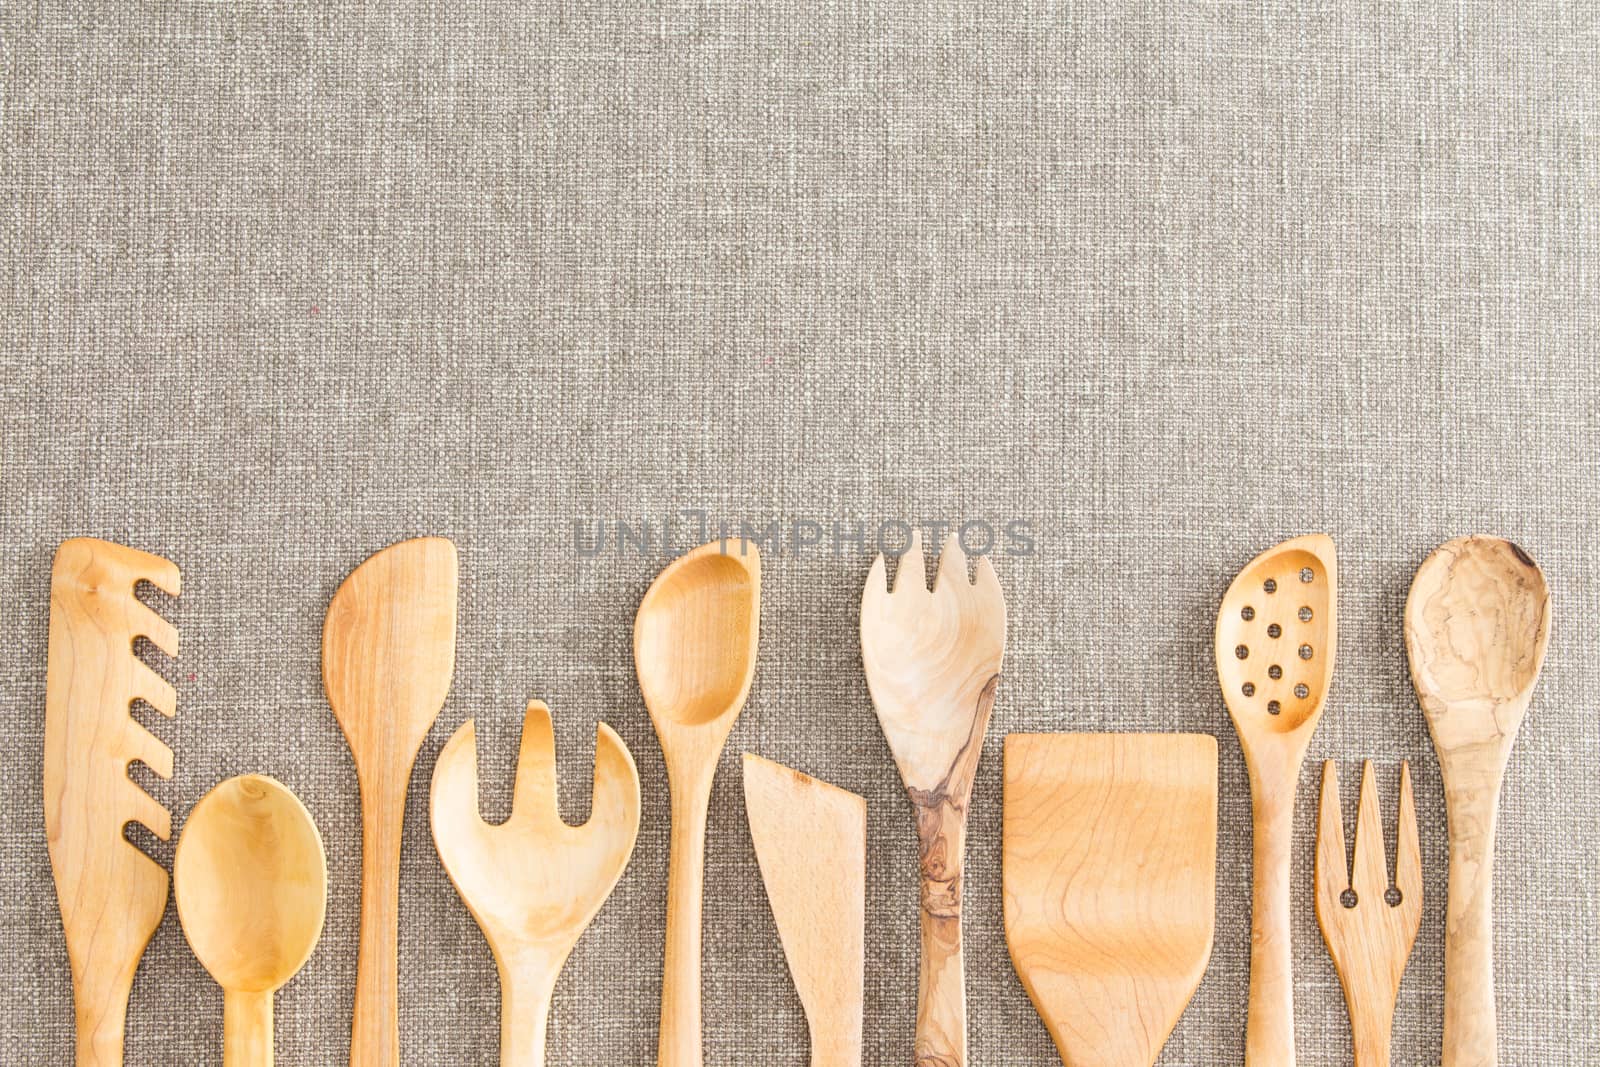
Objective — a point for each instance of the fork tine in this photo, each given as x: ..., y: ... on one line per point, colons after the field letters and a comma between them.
x: 877, y: 582
x: 1408, y: 855
x: 616, y: 784
x: 913, y: 568
x: 952, y: 568
x: 988, y: 583
x: 1331, y: 874
x: 536, y: 765
x: 453, y: 795
x: 1371, y: 875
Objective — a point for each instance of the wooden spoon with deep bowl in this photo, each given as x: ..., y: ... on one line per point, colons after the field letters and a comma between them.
x: 694, y: 648
x: 1477, y: 626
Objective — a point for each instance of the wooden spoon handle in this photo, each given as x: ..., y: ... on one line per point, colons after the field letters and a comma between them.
x: 1269, y: 1030
x: 525, y: 991
x: 941, y: 985
x: 246, y: 1029
x: 680, y: 979
x: 375, y: 1031
x: 1469, y: 1012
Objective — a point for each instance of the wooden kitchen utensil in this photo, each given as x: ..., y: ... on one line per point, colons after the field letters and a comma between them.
x: 1477, y: 626
x: 1369, y: 925
x: 811, y: 843
x: 111, y: 894
x: 251, y: 881
x: 1275, y: 641
x: 694, y: 648
x: 1110, y: 864
x: 388, y: 651
x: 533, y: 883
x: 932, y: 662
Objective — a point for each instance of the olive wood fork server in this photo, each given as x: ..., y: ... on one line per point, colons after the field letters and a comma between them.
x: 932, y: 662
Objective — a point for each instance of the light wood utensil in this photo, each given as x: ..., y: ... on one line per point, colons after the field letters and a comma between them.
x: 694, y: 648
x: 388, y: 652
x: 1110, y: 865
x: 811, y: 843
x: 1477, y: 626
x: 533, y: 883
x: 932, y: 662
x: 251, y: 881
x: 1369, y: 925
x: 1275, y: 642
x: 111, y: 894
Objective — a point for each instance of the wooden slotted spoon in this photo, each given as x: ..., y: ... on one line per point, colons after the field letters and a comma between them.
x: 533, y: 883
x: 694, y: 649
x: 1477, y: 627
x: 1274, y: 644
x: 388, y: 652
x: 932, y: 662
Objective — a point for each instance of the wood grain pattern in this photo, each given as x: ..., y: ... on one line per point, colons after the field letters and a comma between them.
x: 1370, y: 932
x: 111, y: 894
x: 932, y: 661
x: 1275, y: 641
x: 388, y: 653
x: 1477, y: 626
x: 811, y: 843
x: 1110, y: 860
x: 694, y: 650
x: 533, y: 883
x: 251, y: 881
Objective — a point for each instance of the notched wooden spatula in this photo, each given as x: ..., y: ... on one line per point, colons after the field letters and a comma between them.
x: 111, y: 894
x: 533, y: 882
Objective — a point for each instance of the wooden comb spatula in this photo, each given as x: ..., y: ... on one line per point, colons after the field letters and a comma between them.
x: 111, y: 894
x: 811, y: 843
x: 388, y: 651
x: 1369, y: 926
x: 932, y: 662
x: 1274, y: 644
x: 1477, y: 626
x: 1110, y: 873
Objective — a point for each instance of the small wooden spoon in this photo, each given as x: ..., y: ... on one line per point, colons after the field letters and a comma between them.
x: 533, y: 883
x: 388, y: 651
x: 1477, y: 626
x: 1275, y: 643
x: 252, y: 883
x: 694, y: 648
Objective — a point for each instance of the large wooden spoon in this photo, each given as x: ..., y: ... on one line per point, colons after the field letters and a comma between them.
x: 1275, y: 643
x: 388, y: 651
x: 1477, y: 626
x: 252, y: 884
x: 694, y: 648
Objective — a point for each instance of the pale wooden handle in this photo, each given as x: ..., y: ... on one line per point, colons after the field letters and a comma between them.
x: 524, y: 1014
x: 680, y: 974
x: 246, y: 1029
x: 941, y: 985
x: 375, y: 1030
x: 1371, y: 1025
x: 1269, y: 1030
x: 100, y: 1005
x: 1469, y: 1012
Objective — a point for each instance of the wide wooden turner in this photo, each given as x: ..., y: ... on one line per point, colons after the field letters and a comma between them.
x: 1110, y: 862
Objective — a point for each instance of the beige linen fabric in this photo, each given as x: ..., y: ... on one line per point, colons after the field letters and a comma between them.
x: 282, y: 284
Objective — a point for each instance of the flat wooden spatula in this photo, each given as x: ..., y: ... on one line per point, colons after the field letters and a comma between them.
x: 388, y: 652
x: 1110, y: 861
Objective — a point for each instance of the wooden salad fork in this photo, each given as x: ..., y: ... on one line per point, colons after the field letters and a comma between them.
x: 932, y: 662
x: 112, y: 894
x: 1368, y: 924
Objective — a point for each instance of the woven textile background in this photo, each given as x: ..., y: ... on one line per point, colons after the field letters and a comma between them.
x: 284, y: 284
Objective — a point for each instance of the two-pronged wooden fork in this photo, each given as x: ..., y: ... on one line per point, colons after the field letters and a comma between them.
x: 933, y: 663
x: 1368, y: 924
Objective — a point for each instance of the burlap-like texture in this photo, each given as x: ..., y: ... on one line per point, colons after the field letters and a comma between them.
x: 1165, y: 284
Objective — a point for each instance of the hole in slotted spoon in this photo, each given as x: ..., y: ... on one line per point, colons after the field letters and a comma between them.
x: 1273, y: 707
x: 1274, y: 630
x: 1247, y: 613
x: 1306, y: 574
x: 1305, y: 651
x: 1249, y: 689
x: 1305, y: 614
x: 1243, y: 652
x: 1274, y: 672
x: 1270, y: 585
x: 1302, y: 690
